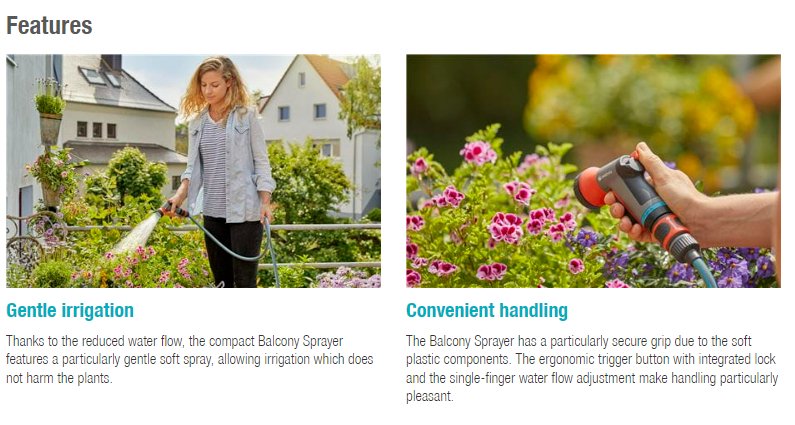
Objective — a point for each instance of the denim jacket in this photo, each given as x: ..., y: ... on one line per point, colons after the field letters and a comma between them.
x: 248, y: 169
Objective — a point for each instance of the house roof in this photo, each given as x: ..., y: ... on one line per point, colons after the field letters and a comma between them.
x: 101, y: 152
x: 129, y: 94
x: 333, y: 72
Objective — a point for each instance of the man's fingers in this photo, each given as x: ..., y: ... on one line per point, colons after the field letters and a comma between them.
x: 654, y: 165
x: 617, y: 210
x: 610, y: 198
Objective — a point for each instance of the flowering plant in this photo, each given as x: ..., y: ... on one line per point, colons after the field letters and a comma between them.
x: 56, y: 170
x: 513, y: 221
x: 48, y: 97
x: 345, y: 277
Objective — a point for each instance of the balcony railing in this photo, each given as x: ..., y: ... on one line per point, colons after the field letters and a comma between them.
x: 27, y: 238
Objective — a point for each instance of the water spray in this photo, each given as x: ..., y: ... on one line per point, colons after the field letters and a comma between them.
x: 624, y: 176
x: 139, y: 235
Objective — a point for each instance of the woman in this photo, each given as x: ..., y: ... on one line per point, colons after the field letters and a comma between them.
x: 228, y: 158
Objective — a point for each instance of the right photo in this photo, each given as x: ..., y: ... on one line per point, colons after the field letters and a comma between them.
x: 593, y: 171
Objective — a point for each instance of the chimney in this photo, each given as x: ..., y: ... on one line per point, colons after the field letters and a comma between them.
x: 112, y: 61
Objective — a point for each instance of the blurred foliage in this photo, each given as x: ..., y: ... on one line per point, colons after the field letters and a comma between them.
x: 687, y: 108
x: 690, y: 109
x: 360, y: 105
x: 448, y: 95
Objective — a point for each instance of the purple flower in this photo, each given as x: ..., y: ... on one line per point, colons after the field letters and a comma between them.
x: 587, y: 238
x: 615, y: 263
x: 442, y: 268
x: 414, y: 222
x: 749, y: 254
x: 681, y: 272
x: 478, y: 152
x: 616, y: 283
x: 490, y: 272
x: 764, y: 267
x: 413, y: 278
x: 728, y: 280
x: 576, y: 266
x: 506, y: 227
x: 420, y: 166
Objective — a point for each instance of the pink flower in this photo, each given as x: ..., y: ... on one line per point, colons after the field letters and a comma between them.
x: 562, y: 202
x: 419, y: 262
x: 478, y: 152
x: 535, y: 226
x: 164, y: 276
x: 411, y: 250
x: 442, y: 268
x: 413, y: 279
x: 506, y: 227
x: 520, y: 191
x: 616, y: 283
x: 414, y: 222
x: 420, y: 166
x: 109, y: 255
x: 453, y: 196
x: 531, y: 161
x: 555, y: 232
x: 494, y: 271
x: 568, y: 220
x: 576, y: 266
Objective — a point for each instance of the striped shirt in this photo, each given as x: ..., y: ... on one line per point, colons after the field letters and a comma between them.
x: 212, y: 149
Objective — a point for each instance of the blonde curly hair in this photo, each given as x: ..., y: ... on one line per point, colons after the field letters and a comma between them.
x: 193, y: 102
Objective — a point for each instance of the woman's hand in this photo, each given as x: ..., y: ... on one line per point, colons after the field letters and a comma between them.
x: 178, y: 198
x: 265, y: 207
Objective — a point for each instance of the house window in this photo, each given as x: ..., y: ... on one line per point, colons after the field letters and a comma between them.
x: 92, y: 76
x: 301, y: 79
x: 82, y: 129
x: 111, y: 131
x: 176, y: 181
x: 328, y: 148
x: 320, y: 111
x: 284, y: 113
x: 113, y: 80
x: 97, y: 133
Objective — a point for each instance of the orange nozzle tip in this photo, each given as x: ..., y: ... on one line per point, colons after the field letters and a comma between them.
x: 589, y: 187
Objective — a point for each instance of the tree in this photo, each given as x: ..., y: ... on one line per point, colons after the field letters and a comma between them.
x: 309, y: 186
x: 360, y: 105
x: 129, y: 174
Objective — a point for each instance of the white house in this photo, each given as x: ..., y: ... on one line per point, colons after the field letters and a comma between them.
x: 305, y: 104
x: 23, y: 140
x: 108, y: 109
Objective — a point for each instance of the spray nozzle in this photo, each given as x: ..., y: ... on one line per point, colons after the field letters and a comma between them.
x: 166, y: 208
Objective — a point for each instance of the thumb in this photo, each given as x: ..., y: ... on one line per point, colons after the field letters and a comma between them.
x: 652, y: 163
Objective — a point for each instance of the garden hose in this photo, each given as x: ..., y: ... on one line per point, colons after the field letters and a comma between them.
x: 624, y: 176
x: 703, y: 270
x: 182, y: 213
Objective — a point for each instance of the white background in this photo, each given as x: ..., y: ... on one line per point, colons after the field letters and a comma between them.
x: 374, y: 321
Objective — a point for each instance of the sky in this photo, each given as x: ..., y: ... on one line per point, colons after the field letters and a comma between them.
x: 167, y: 75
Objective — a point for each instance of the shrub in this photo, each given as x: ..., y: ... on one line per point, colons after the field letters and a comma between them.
x: 52, y: 274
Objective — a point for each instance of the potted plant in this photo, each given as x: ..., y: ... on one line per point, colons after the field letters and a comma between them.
x: 50, y: 105
x: 56, y: 173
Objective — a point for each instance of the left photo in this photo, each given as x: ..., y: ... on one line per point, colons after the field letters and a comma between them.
x: 193, y: 171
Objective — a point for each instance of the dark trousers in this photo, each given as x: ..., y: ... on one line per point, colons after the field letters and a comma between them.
x: 243, y: 239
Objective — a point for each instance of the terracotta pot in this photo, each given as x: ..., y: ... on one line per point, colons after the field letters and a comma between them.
x: 50, y: 127
x: 51, y: 197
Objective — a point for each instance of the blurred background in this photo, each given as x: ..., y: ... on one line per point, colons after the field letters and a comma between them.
x: 716, y: 116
